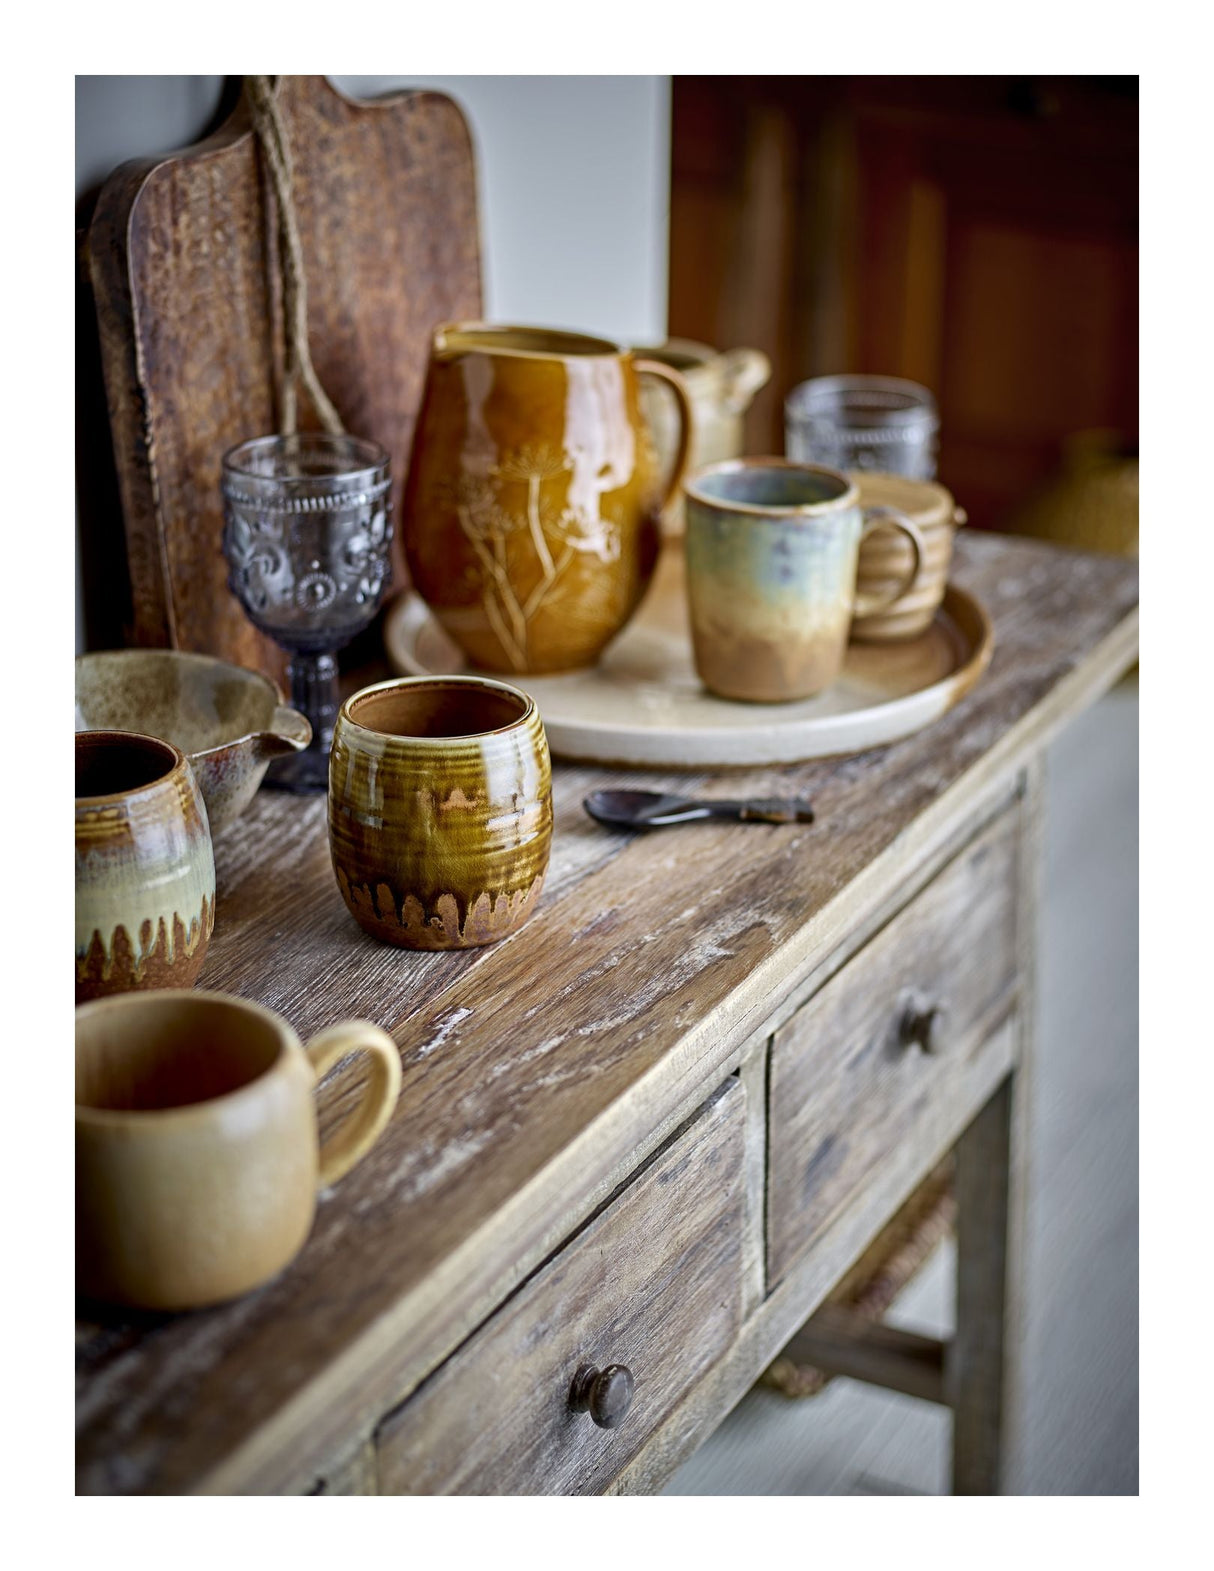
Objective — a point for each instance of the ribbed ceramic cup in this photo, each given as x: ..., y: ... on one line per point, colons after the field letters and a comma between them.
x: 771, y: 548
x: 885, y: 557
x: 145, y: 871
x: 440, y: 810
x: 197, y: 1155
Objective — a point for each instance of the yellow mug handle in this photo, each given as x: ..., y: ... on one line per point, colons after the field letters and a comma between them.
x: 360, y: 1132
x: 889, y: 518
x: 682, y: 456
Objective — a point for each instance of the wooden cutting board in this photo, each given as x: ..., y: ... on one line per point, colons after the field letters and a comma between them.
x: 183, y: 263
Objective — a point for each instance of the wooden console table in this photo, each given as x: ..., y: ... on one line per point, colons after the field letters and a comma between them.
x: 651, y: 1130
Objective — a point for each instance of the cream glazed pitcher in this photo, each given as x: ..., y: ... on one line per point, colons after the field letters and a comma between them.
x: 721, y: 386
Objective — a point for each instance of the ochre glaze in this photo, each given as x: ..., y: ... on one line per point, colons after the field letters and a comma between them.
x: 440, y: 810
x: 145, y: 870
x: 531, y: 509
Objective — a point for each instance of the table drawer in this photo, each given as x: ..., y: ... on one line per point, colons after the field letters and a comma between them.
x: 653, y: 1282
x: 865, y: 1078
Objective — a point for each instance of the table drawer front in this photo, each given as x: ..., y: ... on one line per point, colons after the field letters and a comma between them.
x: 654, y: 1283
x: 888, y: 1062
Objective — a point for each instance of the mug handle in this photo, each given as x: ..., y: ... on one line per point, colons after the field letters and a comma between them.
x: 360, y: 1132
x: 682, y: 455
x: 889, y: 518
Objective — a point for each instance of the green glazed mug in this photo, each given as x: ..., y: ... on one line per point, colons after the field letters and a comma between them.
x: 772, y: 548
x: 440, y: 810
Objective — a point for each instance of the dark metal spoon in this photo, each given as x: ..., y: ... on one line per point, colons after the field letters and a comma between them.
x: 652, y: 809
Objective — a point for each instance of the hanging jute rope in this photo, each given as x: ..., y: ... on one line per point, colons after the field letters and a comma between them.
x: 297, y: 357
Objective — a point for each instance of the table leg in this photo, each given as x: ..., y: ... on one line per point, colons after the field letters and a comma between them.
x: 982, y: 1375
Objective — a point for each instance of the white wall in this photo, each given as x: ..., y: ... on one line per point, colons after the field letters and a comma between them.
x: 573, y: 176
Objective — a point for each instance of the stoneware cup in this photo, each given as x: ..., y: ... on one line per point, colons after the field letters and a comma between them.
x: 531, y: 509
x: 885, y: 556
x: 197, y: 1156
x: 771, y: 575
x: 145, y: 871
x: 440, y: 810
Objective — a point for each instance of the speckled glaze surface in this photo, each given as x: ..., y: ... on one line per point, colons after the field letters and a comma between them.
x: 771, y: 572
x: 772, y: 547
x: 440, y: 810
x: 197, y: 1157
x: 228, y: 721
x: 531, y: 509
x: 145, y: 871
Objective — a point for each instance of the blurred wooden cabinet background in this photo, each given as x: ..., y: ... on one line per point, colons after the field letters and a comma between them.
x: 977, y: 234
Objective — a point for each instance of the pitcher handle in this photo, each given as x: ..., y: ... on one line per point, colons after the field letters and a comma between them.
x: 889, y: 518
x: 682, y: 456
x: 364, y: 1127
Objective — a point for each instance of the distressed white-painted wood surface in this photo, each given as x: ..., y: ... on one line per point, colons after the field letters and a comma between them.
x: 536, y: 1069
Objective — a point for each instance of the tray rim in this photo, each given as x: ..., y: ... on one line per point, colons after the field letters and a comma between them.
x: 783, y: 742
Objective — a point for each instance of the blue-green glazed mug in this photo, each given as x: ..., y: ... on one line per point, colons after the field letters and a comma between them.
x: 772, y: 547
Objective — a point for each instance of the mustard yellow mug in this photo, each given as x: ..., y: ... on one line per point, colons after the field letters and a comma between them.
x: 197, y: 1153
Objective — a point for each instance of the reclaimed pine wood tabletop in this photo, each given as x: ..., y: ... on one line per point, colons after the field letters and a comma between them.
x: 536, y: 1070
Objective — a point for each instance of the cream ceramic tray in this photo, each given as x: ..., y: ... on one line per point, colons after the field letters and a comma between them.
x: 643, y: 704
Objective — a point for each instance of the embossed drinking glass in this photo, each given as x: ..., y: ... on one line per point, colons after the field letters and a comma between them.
x: 870, y: 423
x: 306, y: 534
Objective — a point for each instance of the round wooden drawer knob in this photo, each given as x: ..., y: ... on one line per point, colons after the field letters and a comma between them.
x: 606, y: 1394
x: 922, y: 1023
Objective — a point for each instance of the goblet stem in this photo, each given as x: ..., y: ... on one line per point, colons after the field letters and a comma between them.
x: 313, y: 680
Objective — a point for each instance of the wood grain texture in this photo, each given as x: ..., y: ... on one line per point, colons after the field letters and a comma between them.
x: 654, y: 1283
x: 535, y: 1068
x: 839, y: 1341
x: 809, y: 1280
x: 183, y: 262
x: 983, y: 1371
x: 846, y: 1088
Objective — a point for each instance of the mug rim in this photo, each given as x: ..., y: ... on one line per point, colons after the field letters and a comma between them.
x: 468, y: 680
x: 604, y: 348
x: 126, y: 1117
x: 132, y: 793
x: 849, y: 495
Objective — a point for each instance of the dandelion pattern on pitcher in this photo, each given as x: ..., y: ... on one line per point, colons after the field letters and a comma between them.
x: 524, y: 532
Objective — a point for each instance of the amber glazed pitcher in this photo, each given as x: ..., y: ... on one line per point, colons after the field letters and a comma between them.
x: 532, y: 505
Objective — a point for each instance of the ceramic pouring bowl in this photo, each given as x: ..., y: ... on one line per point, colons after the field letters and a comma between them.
x: 440, y: 810
x: 229, y: 722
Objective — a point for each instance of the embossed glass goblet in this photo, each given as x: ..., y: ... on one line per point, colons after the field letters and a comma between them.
x: 306, y: 536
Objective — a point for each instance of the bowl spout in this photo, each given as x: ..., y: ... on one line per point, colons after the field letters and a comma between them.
x: 289, y: 732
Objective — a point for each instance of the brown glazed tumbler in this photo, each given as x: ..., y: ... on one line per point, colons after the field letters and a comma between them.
x: 440, y: 810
